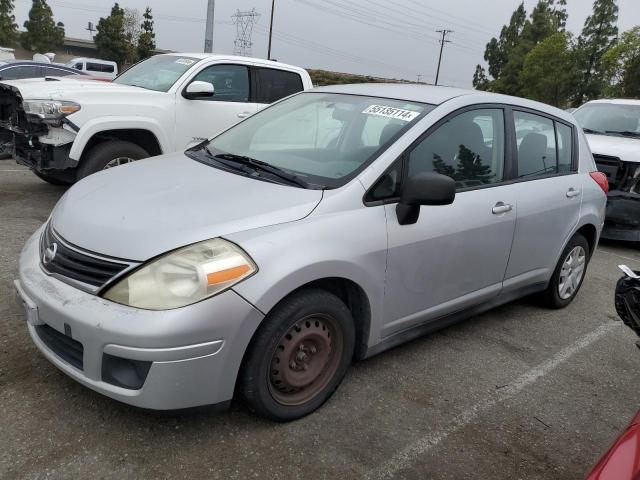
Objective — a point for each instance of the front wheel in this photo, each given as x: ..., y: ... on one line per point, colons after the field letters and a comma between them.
x: 299, y: 356
x: 109, y: 154
x: 569, y: 273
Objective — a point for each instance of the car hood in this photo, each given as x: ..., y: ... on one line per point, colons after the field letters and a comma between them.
x: 152, y: 206
x: 626, y: 149
x: 66, y: 89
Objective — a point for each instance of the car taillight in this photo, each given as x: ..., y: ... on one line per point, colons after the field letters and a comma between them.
x: 601, y: 179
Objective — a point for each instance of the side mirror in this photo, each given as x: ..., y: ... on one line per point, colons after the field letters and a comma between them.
x: 424, y: 189
x: 198, y: 89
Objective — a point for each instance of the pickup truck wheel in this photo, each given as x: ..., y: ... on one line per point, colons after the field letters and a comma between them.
x: 110, y: 154
x: 55, y: 178
x: 299, y: 356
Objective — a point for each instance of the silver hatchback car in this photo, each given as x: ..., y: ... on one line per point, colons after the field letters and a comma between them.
x: 329, y: 227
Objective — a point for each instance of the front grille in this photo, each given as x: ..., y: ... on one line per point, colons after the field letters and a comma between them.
x: 59, y: 258
x: 620, y: 174
x: 68, y: 349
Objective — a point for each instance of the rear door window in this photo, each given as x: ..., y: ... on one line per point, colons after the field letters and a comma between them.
x: 276, y: 84
x: 545, y: 147
x: 57, y: 72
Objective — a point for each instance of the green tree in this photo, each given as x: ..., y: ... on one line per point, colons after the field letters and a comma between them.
x: 147, y: 37
x: 8, y: 26
x: 622, y: 66
x: 548, y: 71
x: 480, y: 80
x: 498, y: 50
x: 111, y: 42
x: 599, y: 35
x: 42, y: 33
x: 506, y: 56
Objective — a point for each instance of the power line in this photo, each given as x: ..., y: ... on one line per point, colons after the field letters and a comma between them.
x: 442, y: 42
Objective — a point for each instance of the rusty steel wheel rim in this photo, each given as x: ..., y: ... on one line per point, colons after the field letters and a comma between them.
x: 305, y: 360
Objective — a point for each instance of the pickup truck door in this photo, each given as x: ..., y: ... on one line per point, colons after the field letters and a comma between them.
x: 202, y: 118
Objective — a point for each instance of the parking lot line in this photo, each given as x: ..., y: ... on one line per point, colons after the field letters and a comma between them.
x: 600, y: 249
x: 407, y: 456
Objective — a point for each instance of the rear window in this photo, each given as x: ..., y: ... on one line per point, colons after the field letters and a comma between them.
x: 99, y: 67
x: 277, y: 84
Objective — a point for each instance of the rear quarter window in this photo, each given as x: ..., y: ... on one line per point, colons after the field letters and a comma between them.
x: 276, y: 84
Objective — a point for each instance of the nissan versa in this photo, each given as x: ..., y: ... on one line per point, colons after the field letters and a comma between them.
x: 328, y: 227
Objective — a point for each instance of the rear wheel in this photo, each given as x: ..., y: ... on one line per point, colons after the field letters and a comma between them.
x: 110, y: 154
x: 299, y: 356
x: 569, y: 273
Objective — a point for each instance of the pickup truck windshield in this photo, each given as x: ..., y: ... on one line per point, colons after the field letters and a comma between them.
x: 323, y: 138
x: 610, y: 119
x: 157, y: 73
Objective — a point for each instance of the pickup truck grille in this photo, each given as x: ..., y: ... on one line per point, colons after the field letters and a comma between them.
x: 61, y: 259
x: 13, y: 116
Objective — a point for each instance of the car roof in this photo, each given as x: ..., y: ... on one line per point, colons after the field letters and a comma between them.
x: 400, y: 91
x: 616, y: 101
x: 412, y: 92
x: 233, y: 58
x: 18, y: 63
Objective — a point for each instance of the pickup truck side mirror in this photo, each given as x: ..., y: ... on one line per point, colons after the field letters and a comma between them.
x: 424, y: 189
x: 198, y: 89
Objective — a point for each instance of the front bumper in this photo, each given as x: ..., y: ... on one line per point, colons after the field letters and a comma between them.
x: 194, y: 352
x: 623, y: 216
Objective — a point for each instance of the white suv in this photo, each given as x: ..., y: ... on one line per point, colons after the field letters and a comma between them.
x: 67, y: 129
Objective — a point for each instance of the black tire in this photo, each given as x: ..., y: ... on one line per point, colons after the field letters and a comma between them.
x: 303, y: 312
x: 103, y: 153
x: 55, y: 178
x: 551, y: 296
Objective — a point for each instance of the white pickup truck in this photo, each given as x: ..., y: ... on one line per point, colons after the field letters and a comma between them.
x: 67, y: 129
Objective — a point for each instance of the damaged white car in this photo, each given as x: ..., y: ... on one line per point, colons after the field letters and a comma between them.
x: 613, y: 132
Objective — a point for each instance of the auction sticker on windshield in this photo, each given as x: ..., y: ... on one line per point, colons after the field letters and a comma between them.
x: 391, y: 112
x: 185, y: 61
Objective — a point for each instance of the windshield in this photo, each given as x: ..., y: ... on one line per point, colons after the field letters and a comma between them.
x: 324, y: 138
x: 157, y: 73
x: 609, y: 119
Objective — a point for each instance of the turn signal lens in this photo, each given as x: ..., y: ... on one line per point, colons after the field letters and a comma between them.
x: 185, y: 276
x: 602, y: 181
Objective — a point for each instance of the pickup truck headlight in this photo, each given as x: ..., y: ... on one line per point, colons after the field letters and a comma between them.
x: 50, y: 109
x: 184, y: 276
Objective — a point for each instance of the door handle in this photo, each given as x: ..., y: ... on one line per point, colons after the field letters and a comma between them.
x: 572, y: 192
x: 501, y: 208
x: 244, y: 114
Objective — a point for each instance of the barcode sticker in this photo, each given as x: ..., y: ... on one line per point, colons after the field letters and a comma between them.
x: 391, y: 112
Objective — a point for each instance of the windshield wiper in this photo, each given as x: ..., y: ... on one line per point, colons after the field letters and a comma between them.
x: 591, y: 131
x: 263, y: 166
x: 625, y: 133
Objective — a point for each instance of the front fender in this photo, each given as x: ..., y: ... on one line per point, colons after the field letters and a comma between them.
x: 103, y: 124
x: 351, y: 245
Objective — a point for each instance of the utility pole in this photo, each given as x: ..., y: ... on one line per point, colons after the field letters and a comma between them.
x: 91, y: 29
x: 208, y: 36
x: 273, y: 7
x: 419, y: 78
x: 443, y: 40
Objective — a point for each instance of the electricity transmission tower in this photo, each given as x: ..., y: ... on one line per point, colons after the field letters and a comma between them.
x: 244, y: 22
x: 443, y: 40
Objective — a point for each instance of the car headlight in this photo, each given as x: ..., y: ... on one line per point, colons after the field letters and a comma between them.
x: 184, y: 276
x: 50, y: 109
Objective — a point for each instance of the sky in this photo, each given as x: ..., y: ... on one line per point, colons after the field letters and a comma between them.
x: 385, y: 38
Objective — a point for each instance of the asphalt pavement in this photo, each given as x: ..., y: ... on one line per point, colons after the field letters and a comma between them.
x: 520, y: 392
